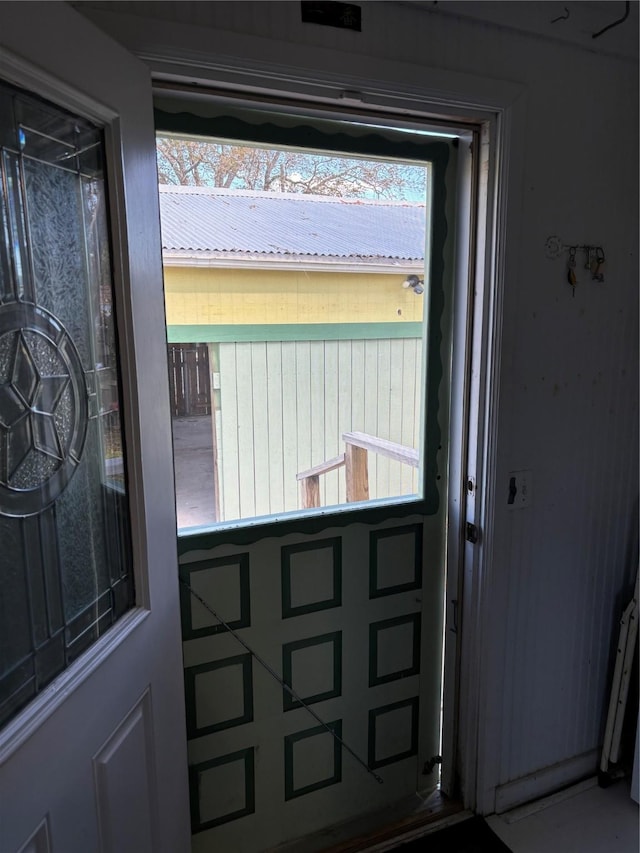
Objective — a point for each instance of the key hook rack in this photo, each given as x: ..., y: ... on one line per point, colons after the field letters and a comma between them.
x: 593, y: 257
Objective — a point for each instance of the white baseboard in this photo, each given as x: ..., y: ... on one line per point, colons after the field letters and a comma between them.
x: 546, y: 781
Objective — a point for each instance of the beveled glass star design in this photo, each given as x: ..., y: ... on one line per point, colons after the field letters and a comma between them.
x: 29, y: 399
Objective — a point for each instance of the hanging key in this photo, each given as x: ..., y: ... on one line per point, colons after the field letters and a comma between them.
x: 598, y: 274
x: 571, y: 271
x: 588, y: 258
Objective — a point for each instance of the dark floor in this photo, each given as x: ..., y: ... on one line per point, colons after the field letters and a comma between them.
x: 469, y: 836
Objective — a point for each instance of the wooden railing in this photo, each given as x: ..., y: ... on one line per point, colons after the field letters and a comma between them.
x: 355, y: 459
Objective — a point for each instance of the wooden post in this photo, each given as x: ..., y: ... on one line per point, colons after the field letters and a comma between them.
x: 310, y: 491
x: 310, y: 480
x: 357, y: 473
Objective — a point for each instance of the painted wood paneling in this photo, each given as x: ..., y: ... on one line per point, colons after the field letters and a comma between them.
x: 200, y: 295
x: 123, y: 769
x: 263, y: 431
x: 284, y: 407
x: 346, y: 618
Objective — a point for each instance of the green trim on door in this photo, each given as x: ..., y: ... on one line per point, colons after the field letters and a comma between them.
x: 335, y: 638
x: 188, y: 602
x: 196, y: 771
x: 246, y: 533
x: 191, y: 674
x: 375, y: 628
x: 412, y: 750
x: 375, y: 591
x: 205, y: 333
x: 290, y: 791
x: 287, y: 551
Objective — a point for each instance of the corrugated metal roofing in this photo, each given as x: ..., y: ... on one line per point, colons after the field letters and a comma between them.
x: 198, y: 219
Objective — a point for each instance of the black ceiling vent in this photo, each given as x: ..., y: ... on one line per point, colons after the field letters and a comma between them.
x: 346, y: 16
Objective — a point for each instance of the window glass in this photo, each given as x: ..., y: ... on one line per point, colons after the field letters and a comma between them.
x: 65, y: 564
x: 296, y: 286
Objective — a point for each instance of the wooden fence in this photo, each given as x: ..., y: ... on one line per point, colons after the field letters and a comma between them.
x: 189, y: 379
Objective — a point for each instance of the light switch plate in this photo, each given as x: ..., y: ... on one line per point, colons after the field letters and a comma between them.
x: 519, y: 489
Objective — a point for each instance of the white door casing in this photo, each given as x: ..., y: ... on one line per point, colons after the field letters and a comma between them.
x: 98, y: 760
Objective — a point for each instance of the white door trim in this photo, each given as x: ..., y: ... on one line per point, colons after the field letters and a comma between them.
x: 480, y: 716
x: 28, y: 721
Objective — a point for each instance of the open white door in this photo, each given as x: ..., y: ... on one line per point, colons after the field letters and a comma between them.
x: 92, y: 743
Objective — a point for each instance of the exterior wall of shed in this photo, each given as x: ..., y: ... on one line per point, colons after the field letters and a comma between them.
x: 216, y: 296
x: 281, y: 406
x: 567, y: 367
x: 285, y: 405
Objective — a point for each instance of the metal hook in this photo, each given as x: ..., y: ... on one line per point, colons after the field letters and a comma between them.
x: 615, y: 23
x: 561, y: 17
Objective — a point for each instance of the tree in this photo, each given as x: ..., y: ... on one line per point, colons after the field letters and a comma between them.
x: 213, y: 164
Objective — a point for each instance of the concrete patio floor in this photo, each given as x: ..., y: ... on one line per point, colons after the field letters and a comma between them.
x: 193, y: 465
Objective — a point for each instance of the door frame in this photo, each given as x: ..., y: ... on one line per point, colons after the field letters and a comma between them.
x: 454, y: 396
x: 465, y: 398
x: 236, y: 65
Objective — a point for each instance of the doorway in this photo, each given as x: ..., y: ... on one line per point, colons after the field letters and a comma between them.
x: 313, y: 631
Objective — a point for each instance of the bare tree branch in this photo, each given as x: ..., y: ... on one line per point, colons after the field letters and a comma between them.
x: 190, y: 162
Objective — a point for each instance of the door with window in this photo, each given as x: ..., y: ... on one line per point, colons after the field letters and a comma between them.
x: 319, y: 278
x: 92, y: 743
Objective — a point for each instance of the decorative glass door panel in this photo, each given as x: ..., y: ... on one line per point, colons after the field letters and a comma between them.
x: 65, y: 568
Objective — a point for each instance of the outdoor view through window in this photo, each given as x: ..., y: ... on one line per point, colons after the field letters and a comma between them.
x: 295, y: 290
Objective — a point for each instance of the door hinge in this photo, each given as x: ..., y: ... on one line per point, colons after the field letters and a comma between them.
x: 454, y: 615
x: 472, y: 533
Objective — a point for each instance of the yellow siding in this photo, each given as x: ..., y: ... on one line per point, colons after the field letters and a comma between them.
x: 211, y: 296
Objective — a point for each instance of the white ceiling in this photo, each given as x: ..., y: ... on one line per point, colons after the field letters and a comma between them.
x: 535, y: 17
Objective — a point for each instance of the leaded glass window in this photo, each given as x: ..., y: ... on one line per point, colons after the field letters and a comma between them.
x: 65, y: 556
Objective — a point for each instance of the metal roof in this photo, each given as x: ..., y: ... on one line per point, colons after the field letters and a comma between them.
x: 244, y: 222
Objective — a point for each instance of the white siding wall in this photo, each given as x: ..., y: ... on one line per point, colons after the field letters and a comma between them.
x: 285, y: 406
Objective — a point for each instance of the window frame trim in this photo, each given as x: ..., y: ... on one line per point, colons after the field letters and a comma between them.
x: 439, y: 155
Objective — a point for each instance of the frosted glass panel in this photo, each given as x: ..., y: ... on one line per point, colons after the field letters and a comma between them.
x: 57, y: 247
x: 65, y: 561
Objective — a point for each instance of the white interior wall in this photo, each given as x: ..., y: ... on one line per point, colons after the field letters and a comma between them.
x: 568, y: 366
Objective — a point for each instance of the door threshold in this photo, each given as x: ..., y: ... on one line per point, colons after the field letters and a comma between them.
x: 385, y: 830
